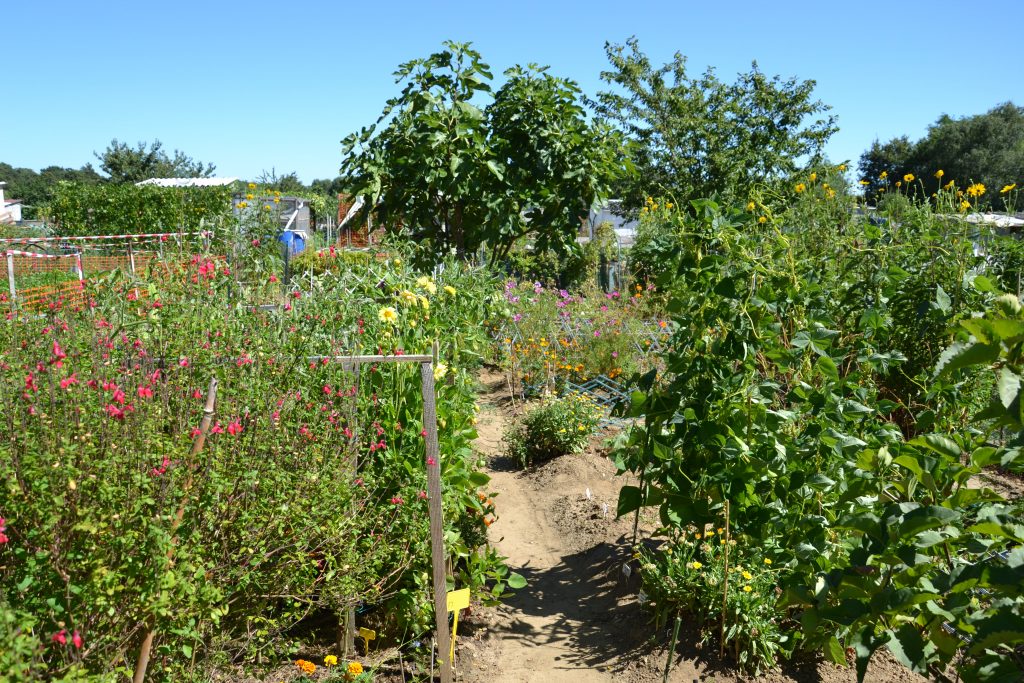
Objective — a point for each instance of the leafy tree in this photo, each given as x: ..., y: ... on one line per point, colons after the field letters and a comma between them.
x: 694, y: 138
x: 457, y: 176
x: 125, y: 164
x: 37, y: 189
x: 986, y: 148
x: 288, y: 183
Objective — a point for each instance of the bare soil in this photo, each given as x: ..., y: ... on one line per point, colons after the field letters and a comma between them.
x: 578, y: 619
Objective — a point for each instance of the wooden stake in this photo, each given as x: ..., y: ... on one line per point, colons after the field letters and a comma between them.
x: 437, y: 552
x: 142, y: 663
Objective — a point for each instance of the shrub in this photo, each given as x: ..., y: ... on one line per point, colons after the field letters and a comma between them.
x: 558, y: 426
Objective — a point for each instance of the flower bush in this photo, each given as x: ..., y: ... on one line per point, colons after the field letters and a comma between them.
x: 558, y: 426
x: 308, y: 496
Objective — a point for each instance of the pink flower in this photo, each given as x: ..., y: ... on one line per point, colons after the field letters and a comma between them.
x: 431, y: 461
x: 217, y: 429
x: 68, y: 381
x: 183, y: 363
x: 3, y: 528
x: 273, y: 278
x: 58, y: 355
x: 297, y: 295
x: 114, y: 412
x: 197, y: 394
x: 76, y: 640
x: 235, y: 428
x: 422, y: 495
x: 397, y: 500
x: 145, y: 392
x: 60, y: 636
x: 30, y: 382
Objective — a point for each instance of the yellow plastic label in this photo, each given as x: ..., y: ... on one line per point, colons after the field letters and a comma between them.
x: 458, y: 600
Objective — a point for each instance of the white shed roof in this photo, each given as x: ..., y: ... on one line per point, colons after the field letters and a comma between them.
x: 188, y: 182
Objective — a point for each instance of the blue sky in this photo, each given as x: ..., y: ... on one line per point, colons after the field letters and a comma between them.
x: 254, y: 86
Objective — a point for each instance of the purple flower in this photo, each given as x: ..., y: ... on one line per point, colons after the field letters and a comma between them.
x: 517, y: 317
x: 561, y: 304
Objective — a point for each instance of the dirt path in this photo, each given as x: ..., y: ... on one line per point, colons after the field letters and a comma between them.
x: 578, y: 619
x: 554, y: 630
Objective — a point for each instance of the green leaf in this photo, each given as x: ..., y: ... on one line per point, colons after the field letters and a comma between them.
x: 835, y: 652
x: 495, y: 169
x: 966, y: 354
x: 942, y: 445
x: 516, y: 581
x: 630, y: 499
x: 1008, y: 384
x: 909, y: 648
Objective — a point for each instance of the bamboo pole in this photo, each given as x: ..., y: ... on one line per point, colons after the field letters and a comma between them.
x: 197, y: 445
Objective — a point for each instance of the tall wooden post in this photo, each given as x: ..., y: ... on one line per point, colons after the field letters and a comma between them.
x: 437, y: 553
x: 10, y: 277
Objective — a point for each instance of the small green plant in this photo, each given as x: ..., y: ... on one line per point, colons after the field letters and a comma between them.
x: 558, y: 426
x: 689, y: 575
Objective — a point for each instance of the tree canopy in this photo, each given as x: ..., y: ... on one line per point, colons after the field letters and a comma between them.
x: 456, y: 175
x: 985, y: 148
x: 692, y: 138
x: 126, y: 164
x: 36, y: 189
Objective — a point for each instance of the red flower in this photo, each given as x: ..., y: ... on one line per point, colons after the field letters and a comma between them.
x: 68, y: 381
x: 114, y: 412
x: 235, y: 428
x: 431, y: 461
x: 76, y: 639
x: 60, y: 636
x: 145, y: 392
x: 397, y: 500
x: 217, y: 429
x: 183, y: 363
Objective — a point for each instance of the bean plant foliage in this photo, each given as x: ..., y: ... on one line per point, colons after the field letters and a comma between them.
x: 846, y: 410
x: 308, y: 498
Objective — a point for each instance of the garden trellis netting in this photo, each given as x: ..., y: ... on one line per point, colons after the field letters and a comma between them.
x: 41, y: 271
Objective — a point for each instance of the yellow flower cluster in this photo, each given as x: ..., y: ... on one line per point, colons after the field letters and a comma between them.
x: 330, y: 660
x: 975, y: 190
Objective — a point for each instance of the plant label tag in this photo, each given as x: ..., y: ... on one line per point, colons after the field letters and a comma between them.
x: 627, y: 571
x: 458, y: 600
x: 367, y: 634
x: 588, y: 494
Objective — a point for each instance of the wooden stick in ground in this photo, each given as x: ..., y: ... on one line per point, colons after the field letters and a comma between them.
x: 725, y: 583
x: 672, y: 647
x: 437, y: 552
x: 142, y: 663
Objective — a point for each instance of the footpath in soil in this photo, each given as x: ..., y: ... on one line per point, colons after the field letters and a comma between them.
x: 578, y: 619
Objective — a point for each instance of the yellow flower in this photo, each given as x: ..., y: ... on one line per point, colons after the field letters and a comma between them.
x: 426, y: 283
x: 939, y: 174
x: 355, y: 668
x: 305, y: 667
x: 975, y: 190
x: 762, y: 219
x: 424, y: 303
x: 449, y: 289
x: 695, y: 565
x: 964, y: 205
x: 668, y: 205
x: 831, y: 193
x: 440, y: 370
x: 330, y: 660
x: 276, y: 200
x: 249, y: 196
x: 898, y: 184
x: 407, y: 297
x: 750, y: 207
x: 842, y: 167
x: 884, y: 175
x: 813, y: 177
x: 242, y: 205
x: 800, y: 187
x: 266, y: 207
x: 747, y: 575
x: 1007, y: 188
x: 252, y: 186
x: 767, y: 561
x: 908, y: 178
x: 865, y: 182
x: 747, y: 589
x: 388, y: 315
x: 948, y: 186
x: 397, y: 261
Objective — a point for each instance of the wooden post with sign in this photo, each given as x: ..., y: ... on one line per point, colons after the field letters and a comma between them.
x: 437, y: 552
